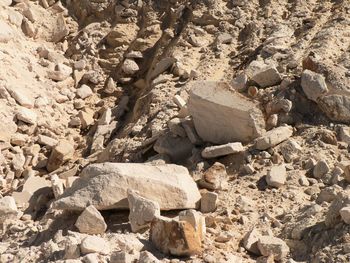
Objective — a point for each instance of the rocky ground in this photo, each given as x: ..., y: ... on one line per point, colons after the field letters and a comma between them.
x: 174, y: 131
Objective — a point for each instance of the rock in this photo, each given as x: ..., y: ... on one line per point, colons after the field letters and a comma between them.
x: 21, y: 96
x: 267, y: 76
x: 86, y: 117
x: 106, y: 117
x: 60, y: 30
x: 269, y: 245
x: 290, y: 150
x: 239, y: 83
x: 84, y: 91
x: 26, y: 115
x: 6, y: 32
x: 8, y: 209
x: 47, y: 141
x: 57, y: 185
x: 222, y: 150
x: 91, y: 221
x: 71, y: 251
x: 345, y: 214
x: 320, y: 169
x: 277, y: 176
x: 94, y: 244
x: 209, y: 202
x: 142, y: 211
x: 175, y: 147
x: 130, y: 67
x: 123, y: 257
x: 147, y: 257
x: 273, y: 137
x: 60, y: 73
x: 105, y: 186
x: 215, y: 178
x: 19, y: 139
x: 250, y: 241
x: 176, y: 128
x: 196, y: 219
x: 177, y: 238
x: 7, y: 128
x: 162, y: 66
x: 313, y: 84
x: 180, y: 102
x: 344, y: 134
x: 61, y: 153
x: 216, y: 111
x: 191, y: 133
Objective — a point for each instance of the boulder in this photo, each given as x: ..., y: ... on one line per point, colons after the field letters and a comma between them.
x: 222, y: 115
x: 196, y: 219
x: 177, y: 238
x: 94, y: 244
x: 8, y: 208
x: 273, y: 137
x: 105, y: 186
x: 209, y: 202
x: 62, y: 152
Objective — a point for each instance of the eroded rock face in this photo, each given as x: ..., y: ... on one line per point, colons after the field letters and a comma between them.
x: 174, y: 237
x: 222, y: 115
x: 105, y: 186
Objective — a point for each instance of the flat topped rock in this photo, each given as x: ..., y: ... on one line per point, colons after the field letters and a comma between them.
x: 222, y: 115
x: 105, y: 186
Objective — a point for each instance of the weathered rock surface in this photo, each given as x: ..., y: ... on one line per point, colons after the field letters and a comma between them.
x: 313, y: 84
x: 276, y: 177
x: 222, y: 115
x: 222, y: 150
x: 269, y: 245
x: 105, y: 186
x: 174, y: 237
x: 273, y: 137
x: 94, y: 244
x: 8, y: 208
x: 142, y: 211
x: 91, y: 221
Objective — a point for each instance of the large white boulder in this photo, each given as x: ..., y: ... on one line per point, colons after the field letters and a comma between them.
x: 222, y: 115
x: 105, y: 186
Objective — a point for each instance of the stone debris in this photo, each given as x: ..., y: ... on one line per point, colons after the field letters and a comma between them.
x: 267, y: 76
x: 222, y: 150
x: 277, y: 176
x: 273, y: 137
x: 209, y: 202
x: 62, y: 152
x: 313, y: 84
x: 177, y: 238
x: 224, y: 108
x: 269, y: 245
x: 211, y: 102
x: 105, y: 186
x: 91, y: 221
x: 94, y: 244
x: 142, y: 211
x: 8, y: 209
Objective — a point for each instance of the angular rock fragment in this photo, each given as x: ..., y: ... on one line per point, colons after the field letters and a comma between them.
x: 208, y: 202
x: 267, y: 76
x: 222, y: 115
x: 222, y: 150
x: 345, y: 214
x: 8, y: 209
x: 142, y: 211
x: 269, y: 245
x: 63, y: 151
x: 320, y: 169
x: 273, y: 137
x: 105, y: 186
x: 196, y: 219
x: 175, y: 147
x: 94, y: 244
x: 84, y: 91
x: 91, y: 221
x: 57, y: 185
x: 27, y: 115
x: 147, y: 257
x: 6, y: 32
x: 177, y: 238
x: 215, y: 178
x: 313, y: 84
x: 276, y: 177
x: 250, y: 241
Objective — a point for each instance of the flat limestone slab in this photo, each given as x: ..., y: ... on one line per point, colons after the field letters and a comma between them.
x: 222, y: 115
x: 105, y: 186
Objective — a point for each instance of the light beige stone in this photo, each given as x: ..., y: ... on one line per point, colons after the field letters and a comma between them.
x: 273, y: 137
x: 105, y: 186
x: 91, y: 221
x: 222, y: 115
